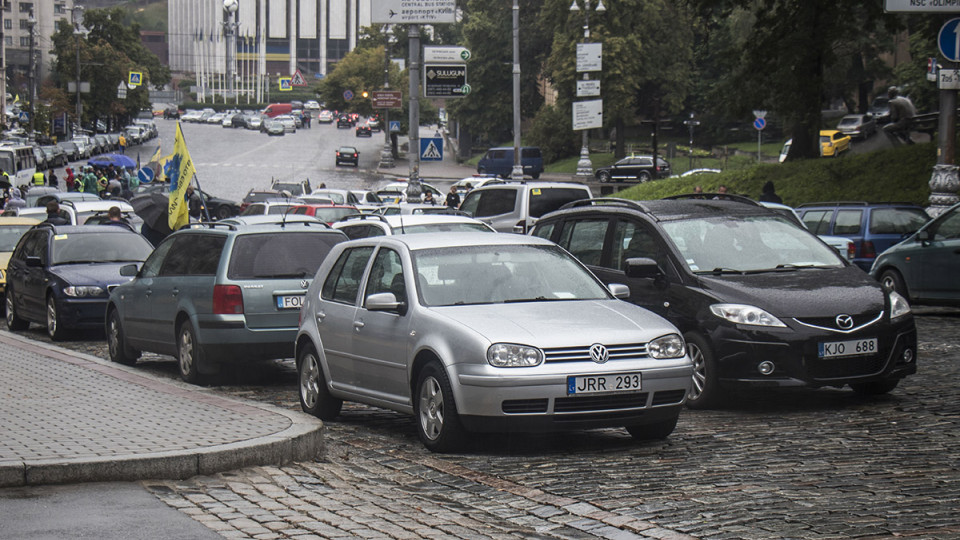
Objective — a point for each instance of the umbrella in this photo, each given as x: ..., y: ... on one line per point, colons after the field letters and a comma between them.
x: 152, y: 208
x: 117, y: 160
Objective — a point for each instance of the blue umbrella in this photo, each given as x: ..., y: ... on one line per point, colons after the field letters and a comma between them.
x: 117, y: 160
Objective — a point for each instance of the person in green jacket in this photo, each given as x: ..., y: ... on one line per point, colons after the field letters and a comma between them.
x: 90, y: 184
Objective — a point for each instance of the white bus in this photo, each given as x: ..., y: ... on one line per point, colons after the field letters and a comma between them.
x: 19, y: 162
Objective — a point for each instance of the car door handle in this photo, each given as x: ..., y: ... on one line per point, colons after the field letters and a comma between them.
x: 358, y: 324
x: 175, y: 292
x: 320, y: 316
x: 148, y: 292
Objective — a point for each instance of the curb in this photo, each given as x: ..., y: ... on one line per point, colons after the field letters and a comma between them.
x: 302, y: 440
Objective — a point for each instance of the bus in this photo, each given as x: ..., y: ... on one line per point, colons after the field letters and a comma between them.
x: 19, y: 162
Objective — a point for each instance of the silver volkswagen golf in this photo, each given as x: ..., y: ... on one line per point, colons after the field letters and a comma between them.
x: 477, y: 332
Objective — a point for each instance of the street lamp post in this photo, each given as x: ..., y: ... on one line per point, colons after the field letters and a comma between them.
x: 386, y: 153
x: 32, y: 22
x: 77, y: 22
x: 517, y: 171
x: 691, y: 123
x: 230, y: 32
x: 584, y: 165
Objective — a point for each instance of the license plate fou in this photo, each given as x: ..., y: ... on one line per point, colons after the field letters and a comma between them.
x: 290, y: 301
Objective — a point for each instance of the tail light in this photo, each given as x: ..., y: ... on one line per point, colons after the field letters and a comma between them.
x: 227, y: 300
x: 867, y: 250
x: 851, y: 251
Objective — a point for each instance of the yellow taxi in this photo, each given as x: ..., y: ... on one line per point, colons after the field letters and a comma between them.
x: 833, y: 143
x: 11, y: 229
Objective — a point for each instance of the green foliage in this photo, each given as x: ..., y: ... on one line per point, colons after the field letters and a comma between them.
x: 898, y: 174
x: 149, y: 15
x: 551, y: 131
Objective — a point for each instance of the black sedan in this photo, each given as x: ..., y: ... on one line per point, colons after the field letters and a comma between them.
x: 639, y: 168
x: 348, y: 154
x: 60, y: 275
x: 220, y: 208
x: 364, y: 131
x: 344, y: 121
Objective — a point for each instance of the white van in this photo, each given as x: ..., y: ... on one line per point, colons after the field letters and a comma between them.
x: 19, y: 162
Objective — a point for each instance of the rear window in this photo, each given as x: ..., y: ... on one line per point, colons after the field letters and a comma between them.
x: 847, y: 222
x: 818, y: 221
x: 897, y: 220
x: 280, y: 254
x: 546, y: 200
x: 490, y: 202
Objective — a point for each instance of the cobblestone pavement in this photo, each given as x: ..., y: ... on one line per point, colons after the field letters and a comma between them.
x: 803, y: 464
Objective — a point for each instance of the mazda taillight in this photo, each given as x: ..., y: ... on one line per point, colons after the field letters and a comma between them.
x: 227, y: 300
x: 867, y: 250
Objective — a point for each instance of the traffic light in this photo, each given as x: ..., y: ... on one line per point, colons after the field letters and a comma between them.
x: 365, y: 94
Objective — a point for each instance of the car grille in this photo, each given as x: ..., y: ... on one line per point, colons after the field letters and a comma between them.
x: 836, y: 368
x: 668, y: 397
x: 860, y: 321
x: 632, y: 351
x: 521, y: 406
x: 599, y: 403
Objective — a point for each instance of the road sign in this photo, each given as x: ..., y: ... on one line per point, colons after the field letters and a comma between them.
x: 589, y: 57
x: 135, y: 78
x: 394, y: 126
x: 121, y: 91
x: 285, y: 85
x: 413, y: 11
x: 451, y: 54
x: 445, y: 80
x: 431, y: 149
x: 759, y: 124
x: 949, y: 40
x: 347, y: 95
x: 949, y: 79
x: 387, y: 99
x: 587, y: 114
x: 24, y: 117
x: 588, y: 88
x: 928, y: 6
x: 297, y: 79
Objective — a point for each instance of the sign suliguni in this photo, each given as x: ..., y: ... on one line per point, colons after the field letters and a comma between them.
x: 413, y: 11
x: 445, y: 80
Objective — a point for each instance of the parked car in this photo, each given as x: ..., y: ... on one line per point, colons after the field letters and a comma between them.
x: 861, y: 126
x: 516, y: 206
x: 512, y: 334
x: 879, y: 108
x: 219, y: 207
x: 171, y: 113
x: 873, y: 227
x: 39, y: 158
x: 233, y: 120
x: 639, y: 168
x: 336, y: 196
x: 327, y: 213
x: 844, y: 246
x: 396, y: 192
x: 271, y: 207
x: 760, y: 301
x: 253, y: 121
x: 60, y: 276
x: 833, y: 143
x: 12, y: 228
x: 213, y: 296
x: 367, y: 225
x: 348, y: 154
x: 191, y: 116
x: 924, y: 267
x: 71, y: 150
x: 499, y: 161
x: 294, y: 188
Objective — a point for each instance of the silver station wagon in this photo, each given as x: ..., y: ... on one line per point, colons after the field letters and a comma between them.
x: 474, y: 332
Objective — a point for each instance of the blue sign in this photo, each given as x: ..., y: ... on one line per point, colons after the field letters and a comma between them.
x: 394, y: 126
x: 24, y: 117
x: 347, y: 95
x: 759, y: 124
x: 949, y: 40
x: 431, y: 149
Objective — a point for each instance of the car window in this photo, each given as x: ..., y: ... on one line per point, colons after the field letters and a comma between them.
x: 896, y: 220
x: 10, y: 235
x: 151, y: 268
x: 281, y: 254
x: 947, y: 228
x: 530, y: 152
x: 343, y: 282
x: 34, y: 245
x: 546, y: 200
x: 847, y: 222
x: 386, y: 275
x: 177, y: 261
x: 583, y: 238
x: 818, y: 221
x: 632, y: 240
x: 490, y: 202
x: 545, y: 230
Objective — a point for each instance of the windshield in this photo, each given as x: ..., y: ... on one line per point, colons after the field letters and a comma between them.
x: 10, y: 235
x: 76, y: 248
x: 445, y: 227
x: 330, y: 215
x: 497, y: 274
x: 748, y: 244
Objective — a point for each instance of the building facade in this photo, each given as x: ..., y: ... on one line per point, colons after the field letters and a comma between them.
x: 17, y: 28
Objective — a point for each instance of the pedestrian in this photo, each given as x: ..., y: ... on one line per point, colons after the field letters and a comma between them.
x: 123, y: 144
x: 428, y: 197
x: 114, y: 186
x: 102, y: 181
x: 900, y: 116
x: 453, y: 198
x: 769, y: 194
x: 39, y: 179
x: 15, y: 200
x: 89, y: 181
x: 53, y: 214
x: 70, y: 180
x: 133, y: 180
x: 697, y: 190
x: 721, y: 192
x: 53, y: 180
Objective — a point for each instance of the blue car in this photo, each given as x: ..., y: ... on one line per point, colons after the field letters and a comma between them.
x: 60, y: 275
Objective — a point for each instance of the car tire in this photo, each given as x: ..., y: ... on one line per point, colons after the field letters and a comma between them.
x: 13, y: 321
x: 643, y: 177
x: 315, y: 398
x: 603, y: 177
x: 224, y: 212
x: 875, y: 388
x: 189, y: 353
x: 54, y: 325
x: 535, y: 176
x: 653, y: 432
x: 435, y: 413
x: 705, y: 392
x: 891, y: 280
x: 117, y: 347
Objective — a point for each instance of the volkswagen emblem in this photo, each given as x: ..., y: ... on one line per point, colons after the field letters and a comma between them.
x: 844, y: 322
x: 599, y: 353
x: 304, y: 284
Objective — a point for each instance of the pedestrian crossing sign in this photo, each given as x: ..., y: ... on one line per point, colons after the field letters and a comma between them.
x: 297, y: 79
x: 431, y: 149
x: 136, y: 79
x: 285, y: 85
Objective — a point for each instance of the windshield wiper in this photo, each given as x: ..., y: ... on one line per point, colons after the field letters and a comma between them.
x: 536, y: 299
x: 720, y: 270
x: 58, y: 263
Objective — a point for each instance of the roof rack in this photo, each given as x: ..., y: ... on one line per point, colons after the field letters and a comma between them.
x: 606, y: 201
x: 853, y: 203
x: 210, y: 225
x: 363, y: 216
x: 713, y: 196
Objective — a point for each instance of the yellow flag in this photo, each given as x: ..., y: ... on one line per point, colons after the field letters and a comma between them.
x: 180, y: 172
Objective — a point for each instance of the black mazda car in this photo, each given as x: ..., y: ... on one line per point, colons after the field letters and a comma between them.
x: 761, y: 301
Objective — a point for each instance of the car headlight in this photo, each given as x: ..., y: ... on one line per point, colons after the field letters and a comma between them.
x: 2, y: 275
x: 741, y: 314
x: 510, y: 355
x: 80, y: 291
x: 898, y: 305
x: 669, y: 346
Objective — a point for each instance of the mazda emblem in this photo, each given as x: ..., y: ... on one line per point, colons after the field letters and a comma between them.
x: 844, y: 322
x: 599, y: 353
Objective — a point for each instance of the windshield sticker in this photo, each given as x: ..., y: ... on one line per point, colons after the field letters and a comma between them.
x: 60, y: 237
x: 535, y: 191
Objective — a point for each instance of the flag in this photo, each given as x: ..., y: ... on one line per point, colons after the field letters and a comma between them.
x: 154, y: 162
x: 181, y: 172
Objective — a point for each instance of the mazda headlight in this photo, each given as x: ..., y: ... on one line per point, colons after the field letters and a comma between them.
x: 742, y: 314
x: 510, y: 355
x: 669, y: 346
x: 898, y: 305
x: 81, y: 291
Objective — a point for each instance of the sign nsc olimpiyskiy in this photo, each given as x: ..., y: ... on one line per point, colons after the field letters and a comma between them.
x: 413, y: 11
x: 922, y: 6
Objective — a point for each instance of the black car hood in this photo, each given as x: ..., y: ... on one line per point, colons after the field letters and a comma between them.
x: 102, y: 274
x: 800, y: 293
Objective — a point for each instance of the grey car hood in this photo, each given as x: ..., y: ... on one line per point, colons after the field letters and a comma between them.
x: 560, y: 323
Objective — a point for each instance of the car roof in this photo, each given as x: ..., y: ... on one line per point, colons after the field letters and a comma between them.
x: 397, y: 221
x: 14, y: 220
x: 94, y: 206
x: 536, y: 184
x: 269, y: 219
x: 433, y: 240
x: 87, y: 229
x: 669, y: 209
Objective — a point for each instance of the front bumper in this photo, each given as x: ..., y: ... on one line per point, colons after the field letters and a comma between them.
x: 81, y: 313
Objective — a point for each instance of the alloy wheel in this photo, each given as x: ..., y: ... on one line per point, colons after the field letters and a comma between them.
x: 431, y: 408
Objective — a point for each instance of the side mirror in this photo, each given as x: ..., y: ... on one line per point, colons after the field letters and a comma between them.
x: 642, y: 267
x: 619, y: 290
x: 924, y: 236
x: 129, y: 270
x: 385, y: 302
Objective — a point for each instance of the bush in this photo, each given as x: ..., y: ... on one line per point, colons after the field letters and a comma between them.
x: 551, y: 132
